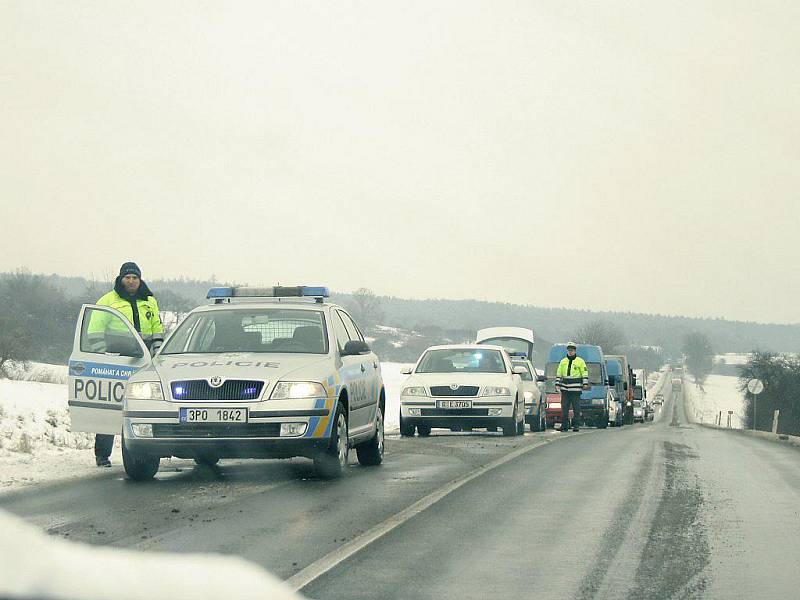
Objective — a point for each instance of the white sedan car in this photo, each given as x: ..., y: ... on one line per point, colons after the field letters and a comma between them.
x: 463, y: 387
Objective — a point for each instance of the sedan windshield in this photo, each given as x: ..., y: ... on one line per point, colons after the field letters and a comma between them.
x: 264, y: 330
x: 462, y: 360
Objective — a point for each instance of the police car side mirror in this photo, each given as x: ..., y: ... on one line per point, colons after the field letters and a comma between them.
x: 355, y: 348
x: 519, y: 370
x: 541, y: 379
x: 406, y: 371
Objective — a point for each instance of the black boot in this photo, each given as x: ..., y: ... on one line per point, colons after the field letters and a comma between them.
x: 102, y: 461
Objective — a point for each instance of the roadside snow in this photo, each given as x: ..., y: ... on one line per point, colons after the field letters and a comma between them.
x: 36, y: 443
x: 35, y: 565
x: 720, y: 393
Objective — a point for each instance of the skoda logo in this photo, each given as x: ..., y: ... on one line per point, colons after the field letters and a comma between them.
x: 215, y: 381
x: 454, y: 386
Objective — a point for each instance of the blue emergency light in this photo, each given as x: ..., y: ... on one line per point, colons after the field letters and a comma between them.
x: 519, y: 354
x: 300, y: 291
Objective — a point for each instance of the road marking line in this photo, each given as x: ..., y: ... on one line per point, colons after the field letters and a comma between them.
x: 318, y: 568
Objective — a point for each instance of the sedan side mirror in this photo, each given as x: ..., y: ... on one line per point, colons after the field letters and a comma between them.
x: 406, y: 371
x: 519, y: 370
x: 355, y: 348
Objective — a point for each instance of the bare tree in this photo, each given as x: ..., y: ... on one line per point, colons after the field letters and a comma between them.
x: 366, y: 308
x: 699, y: 356
x: 601, y: 333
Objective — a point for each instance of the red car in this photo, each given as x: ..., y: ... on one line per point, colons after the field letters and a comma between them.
x: 553, y: 410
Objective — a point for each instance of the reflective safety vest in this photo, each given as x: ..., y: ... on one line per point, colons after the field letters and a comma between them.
x: 145, y: 319
x: 572, y: 374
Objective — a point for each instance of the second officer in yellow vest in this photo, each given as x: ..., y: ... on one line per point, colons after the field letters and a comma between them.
x: 572, y: 377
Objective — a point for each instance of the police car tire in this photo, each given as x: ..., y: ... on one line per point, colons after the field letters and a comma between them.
x: 139, y: 467
x: 423, y: 430
x: 328, y: 464
x: 370, y: 453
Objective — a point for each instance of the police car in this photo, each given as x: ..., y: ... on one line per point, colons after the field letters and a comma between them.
x: 258, y: 373
x: 463, y: 387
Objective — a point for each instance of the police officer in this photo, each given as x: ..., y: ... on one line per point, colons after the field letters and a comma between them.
x: 136, y: 302
x: 572, y: 376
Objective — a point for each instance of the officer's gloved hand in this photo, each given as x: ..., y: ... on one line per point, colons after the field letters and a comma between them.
x: 156, y: 343
x: 586, y: 387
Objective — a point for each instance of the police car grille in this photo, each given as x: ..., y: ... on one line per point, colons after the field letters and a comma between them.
x: 216, y: 430
x: 232, y: 389
x: 464, y: 390
x: 455, y: 412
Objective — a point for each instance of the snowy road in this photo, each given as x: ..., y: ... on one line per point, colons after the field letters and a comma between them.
x: 659, y: 510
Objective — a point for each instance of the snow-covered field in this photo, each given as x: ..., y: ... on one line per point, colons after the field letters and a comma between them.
x: 36, y: 444
x: 719, y: 393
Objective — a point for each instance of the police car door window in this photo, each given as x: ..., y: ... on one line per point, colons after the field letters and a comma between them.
x: 339, y: 329
x: 352, y: 330
x: 103, y: 332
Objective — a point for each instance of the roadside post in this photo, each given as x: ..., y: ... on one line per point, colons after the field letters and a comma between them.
x: 755, y: 387
x: 775, y: 421
x: 730, y: 414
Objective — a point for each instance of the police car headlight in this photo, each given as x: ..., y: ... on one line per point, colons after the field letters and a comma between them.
x: 493, y: 390
x: 528, y: 397
x: 297, y: 390
x: 414, y: 390
x: 144, y: 390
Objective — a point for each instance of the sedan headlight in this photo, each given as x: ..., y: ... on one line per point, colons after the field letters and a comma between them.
x: 494, y: 390
x: 144, y: 390
x: 298, y: 390
x: 414, y: 390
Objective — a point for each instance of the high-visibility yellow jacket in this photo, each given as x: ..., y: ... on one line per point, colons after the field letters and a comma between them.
x: 141, y: 310
x: 572, y: 374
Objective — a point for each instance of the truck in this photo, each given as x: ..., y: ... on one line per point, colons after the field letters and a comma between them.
x: 594, y: 401
x: 627, y: 388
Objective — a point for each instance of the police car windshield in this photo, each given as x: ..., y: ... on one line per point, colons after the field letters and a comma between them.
x: 462, y: 361
x: 263, y: 330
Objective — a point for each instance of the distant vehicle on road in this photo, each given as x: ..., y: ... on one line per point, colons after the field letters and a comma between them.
x: 658, y: 400
x: 677, y: 385
x: 638, y: 412
x: 463, y: 386
x: 595, y: 400
x: 619, y: 390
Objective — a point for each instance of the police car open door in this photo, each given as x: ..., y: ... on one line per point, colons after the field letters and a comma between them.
x: 105, y: 353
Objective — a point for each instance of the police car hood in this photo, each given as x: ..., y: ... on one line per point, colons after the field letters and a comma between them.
x: 232, y: 365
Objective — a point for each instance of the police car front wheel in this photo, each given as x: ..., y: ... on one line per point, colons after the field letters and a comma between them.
x: 139, y: 467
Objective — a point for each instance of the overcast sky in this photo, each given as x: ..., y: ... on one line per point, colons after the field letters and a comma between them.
x: 640, y: 156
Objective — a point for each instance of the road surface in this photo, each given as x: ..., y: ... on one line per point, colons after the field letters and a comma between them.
x: 662, y: 510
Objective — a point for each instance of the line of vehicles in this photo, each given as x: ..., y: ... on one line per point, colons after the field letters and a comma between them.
x: 281, y: 372
x: 494, y: 384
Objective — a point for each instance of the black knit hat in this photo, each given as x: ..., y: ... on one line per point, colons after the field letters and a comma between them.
x: 130, y: 268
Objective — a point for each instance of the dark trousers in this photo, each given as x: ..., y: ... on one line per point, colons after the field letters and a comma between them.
x: 103, y: 445
x: 568, y: 398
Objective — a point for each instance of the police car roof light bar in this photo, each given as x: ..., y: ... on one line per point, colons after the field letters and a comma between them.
x: 301, y: 291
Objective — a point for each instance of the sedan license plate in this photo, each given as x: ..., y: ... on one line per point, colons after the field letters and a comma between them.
x: 454, y: 404
x: 213, y: 415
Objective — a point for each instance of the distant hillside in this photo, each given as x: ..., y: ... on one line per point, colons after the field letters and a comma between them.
x: 461, y: 318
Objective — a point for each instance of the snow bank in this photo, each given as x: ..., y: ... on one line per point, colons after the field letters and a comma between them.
x: 719, y: 393
x: 36, y: 443
x: 35, y: 565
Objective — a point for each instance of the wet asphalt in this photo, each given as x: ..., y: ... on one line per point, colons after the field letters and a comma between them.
x: 667, y: 509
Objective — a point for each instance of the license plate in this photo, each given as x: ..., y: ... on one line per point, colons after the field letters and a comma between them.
x: 213, y: 415
x: 455, y: 404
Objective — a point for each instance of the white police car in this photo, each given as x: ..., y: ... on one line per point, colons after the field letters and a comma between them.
x: 463, y: 387
x: 258, y: 373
